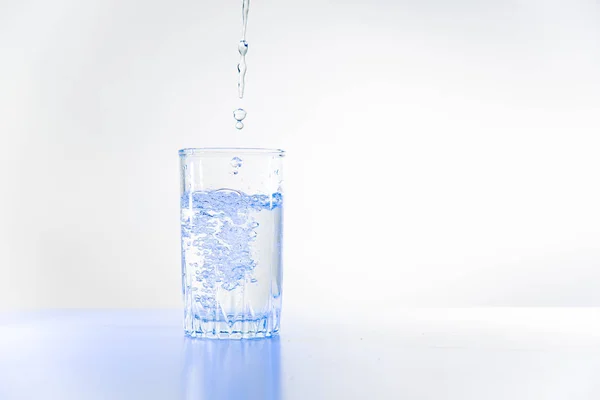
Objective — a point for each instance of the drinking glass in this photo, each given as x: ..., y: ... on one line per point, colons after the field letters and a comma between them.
x: 231, y: 241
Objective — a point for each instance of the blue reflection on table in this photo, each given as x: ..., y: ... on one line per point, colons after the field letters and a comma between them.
x: 420, y: 354
x: 225, y: 369
x: 129, y: 355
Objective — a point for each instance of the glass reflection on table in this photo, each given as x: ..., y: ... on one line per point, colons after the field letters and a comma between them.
x: 232, y: 369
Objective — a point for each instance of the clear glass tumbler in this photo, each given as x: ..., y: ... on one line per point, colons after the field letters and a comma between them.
x: 231, y: 237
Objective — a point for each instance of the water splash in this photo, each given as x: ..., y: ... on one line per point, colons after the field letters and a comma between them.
x: 218, y: 229
x: 236, y: 163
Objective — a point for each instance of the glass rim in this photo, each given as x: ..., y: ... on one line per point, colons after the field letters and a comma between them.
x: 224, y: 151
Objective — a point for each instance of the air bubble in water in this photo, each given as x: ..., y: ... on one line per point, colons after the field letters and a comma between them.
x: 239, y: 125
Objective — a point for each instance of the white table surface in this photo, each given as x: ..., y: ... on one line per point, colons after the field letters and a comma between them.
x: 482, y: 354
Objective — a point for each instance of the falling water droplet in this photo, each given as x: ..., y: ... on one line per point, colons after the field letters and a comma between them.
x: 243, y: 47
x: 242, y: 68
x: 239, y: 114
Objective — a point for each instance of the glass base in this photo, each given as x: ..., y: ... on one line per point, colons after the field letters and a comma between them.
x: 265, y: 327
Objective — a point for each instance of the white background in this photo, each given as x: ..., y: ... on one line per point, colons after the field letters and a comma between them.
x: 440, y: 153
